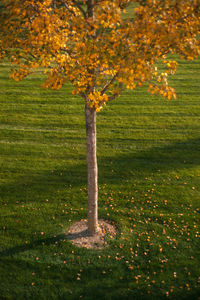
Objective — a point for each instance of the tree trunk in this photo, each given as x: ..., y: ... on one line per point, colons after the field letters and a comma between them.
x: 90, y: 117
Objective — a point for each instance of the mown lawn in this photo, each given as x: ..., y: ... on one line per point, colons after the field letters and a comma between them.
x: 149, y: 185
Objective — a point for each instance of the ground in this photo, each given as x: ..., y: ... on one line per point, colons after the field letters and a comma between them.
x: 79, y: 236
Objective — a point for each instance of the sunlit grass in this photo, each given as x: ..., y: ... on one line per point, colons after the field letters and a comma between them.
x: 149, y: 156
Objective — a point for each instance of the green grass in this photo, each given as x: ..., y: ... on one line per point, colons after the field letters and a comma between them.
x: 149, y: 185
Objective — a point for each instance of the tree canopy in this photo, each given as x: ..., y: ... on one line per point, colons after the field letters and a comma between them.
x: 92, y: 45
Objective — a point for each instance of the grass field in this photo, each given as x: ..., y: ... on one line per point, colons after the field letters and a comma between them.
x: 149, y: 185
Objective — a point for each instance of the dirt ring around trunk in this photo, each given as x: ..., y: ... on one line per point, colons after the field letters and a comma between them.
x: 78, y: 234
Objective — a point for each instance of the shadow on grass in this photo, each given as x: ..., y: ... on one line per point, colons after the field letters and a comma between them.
x: 176, y: 156
x: 33, y: 245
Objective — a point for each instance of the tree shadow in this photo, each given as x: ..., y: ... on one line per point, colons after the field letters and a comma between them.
x: 74, y: 236
x: 33, y: 245
x: 175, y: 156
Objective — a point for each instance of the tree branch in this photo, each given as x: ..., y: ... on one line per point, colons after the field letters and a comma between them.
x: 106, y: 86
x: 67, y: 7
x: 116, y: 94
x: 90, y: 8
x: 80, y: 8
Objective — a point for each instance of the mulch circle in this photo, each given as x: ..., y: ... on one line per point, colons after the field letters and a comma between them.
x: 78, y: 234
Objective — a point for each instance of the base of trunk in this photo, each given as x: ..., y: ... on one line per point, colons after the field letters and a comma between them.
x: 92, y: 232
x: 79, y: 236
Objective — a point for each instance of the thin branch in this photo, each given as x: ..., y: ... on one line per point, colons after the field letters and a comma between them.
x: 80, y: 8
x: 67, y: 51
x: 116, y: 94
x: 106, y: 86
x: 90, y: 8
x: 67, y: 7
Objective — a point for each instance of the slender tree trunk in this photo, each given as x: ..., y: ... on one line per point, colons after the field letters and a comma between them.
x: 90, y: 117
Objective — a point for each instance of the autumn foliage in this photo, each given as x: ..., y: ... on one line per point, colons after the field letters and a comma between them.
x: 92, y: 45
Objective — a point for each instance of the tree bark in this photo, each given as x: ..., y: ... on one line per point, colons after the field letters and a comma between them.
x: 90, y: 117
x: 90, y: 8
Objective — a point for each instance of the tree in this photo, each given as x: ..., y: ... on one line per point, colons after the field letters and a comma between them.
x: 91, y: 45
